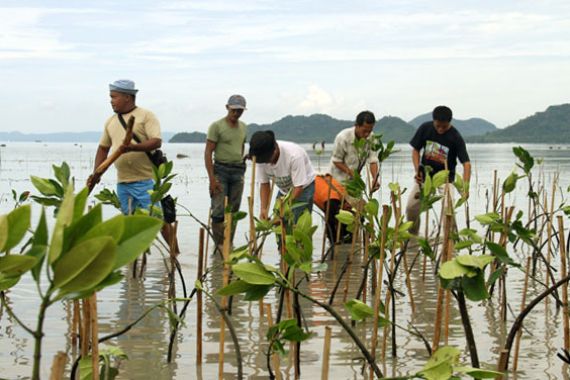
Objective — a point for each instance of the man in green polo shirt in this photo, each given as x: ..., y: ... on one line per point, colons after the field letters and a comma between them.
x: 225, y: 141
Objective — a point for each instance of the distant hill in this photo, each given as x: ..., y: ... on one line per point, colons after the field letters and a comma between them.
x: 303, y: 129
x: 550, y: 126
x: 319, y: 127
x: 74, y: 137
x: 185, y: 137
x: 470, y: 127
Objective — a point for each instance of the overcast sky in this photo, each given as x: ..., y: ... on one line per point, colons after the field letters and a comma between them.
x: 500, y: 60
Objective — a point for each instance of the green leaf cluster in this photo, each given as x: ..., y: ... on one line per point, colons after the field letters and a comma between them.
x: 286, y: 330
x: 466, y: 273
x: 52, y: 190
x: 444, y: 365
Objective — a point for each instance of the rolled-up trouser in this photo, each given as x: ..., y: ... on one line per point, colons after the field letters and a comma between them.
x: 230, y: 176
x: 303, y: 202
x: 413, y: 205
x: 133, y: 195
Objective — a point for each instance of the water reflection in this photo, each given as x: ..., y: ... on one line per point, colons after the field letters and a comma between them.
x: 147, y: 343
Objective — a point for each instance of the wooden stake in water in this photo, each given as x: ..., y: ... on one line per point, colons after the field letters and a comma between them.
x: 274, y: 357
x: 58, y: 366
x: 326, y: 353
x: 94, y: 337
x: 441, y: 292
x: 424, y: 265
x: 86, y: 327
x: 564, y: 272
x: 199, y: 299
x: 523, y: 305
x: 251, y: 198
x: 75, y: 326
x: 226, y: 253
x: 377, y: 295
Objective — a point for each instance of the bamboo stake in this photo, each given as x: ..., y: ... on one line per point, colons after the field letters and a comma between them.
x: 58, y: 366
x: 389, y: 294
x: 366, y: 244
x: 208, y: 238
x: 326, y: 353
x: 75, y: 326
x: 226, y: 253
x: 274, y: 357
x: 424, y: 265
x: 355, y: 233
x: 327, y: 213
x: 85, y: 328
x: 449, y: 254
x: 94, y: 337
x: 549, y: 232
x: 441, y: 291
x: 377, y: 295
x: 251, y: 201
x: 523, y: 305
x: 199, y: 299
x: 564, y: 271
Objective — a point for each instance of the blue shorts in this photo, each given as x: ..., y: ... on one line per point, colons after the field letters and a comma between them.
x: 138, y: 194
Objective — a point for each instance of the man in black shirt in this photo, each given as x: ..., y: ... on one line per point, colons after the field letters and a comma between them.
x: 439, y: 143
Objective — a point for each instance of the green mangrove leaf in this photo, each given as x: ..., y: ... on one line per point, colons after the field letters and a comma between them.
x: 358, y: 310
x: 253, y: 273
x: 257, y: 292
x: 18, y: 223
x: 474, y: 287
x: 235, y: 287
x: 426, y: 188
x: 41, y: 234
x: 440, y: 178
x: 394, y: 187
x: 62, y: 173
x: 478, y: 373
x: 44, y: 186
x: 499, y: 252
x: 495, y: 276
x: 304, y: 223
x: 463, y: 244
x: 8, y: 282
x: 95, y: 272
x: 510, y: 183
x: 372, y: 207
x: 78, y: 230
x: 77, y: 259
x: 525, y: 157
x: 16, y: 265
x: 3, y: 231
x: 345, y: 217
x: 452, y: 269
x: 64, y: 218
x: 475, y: 261
x: 139, y: 233
x: 80, y: 202
x: 38, y: 252
x: 113, y: 227
x: 85, y: 368
x: 426, y: 248
x: 488, y: 218
x: 440, y: 365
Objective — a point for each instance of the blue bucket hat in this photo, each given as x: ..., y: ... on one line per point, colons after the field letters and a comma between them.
x: 125, y: 86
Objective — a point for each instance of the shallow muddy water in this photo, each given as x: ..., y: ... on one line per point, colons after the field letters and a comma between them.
x: 147, y: 343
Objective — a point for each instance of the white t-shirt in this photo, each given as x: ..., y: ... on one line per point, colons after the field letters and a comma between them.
x: 292, y: 169
x: 344, y: 151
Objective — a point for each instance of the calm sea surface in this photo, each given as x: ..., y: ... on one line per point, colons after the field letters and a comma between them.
x: 146, y: 344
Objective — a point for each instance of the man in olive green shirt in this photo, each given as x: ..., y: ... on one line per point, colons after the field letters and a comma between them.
x: 225, y: 141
